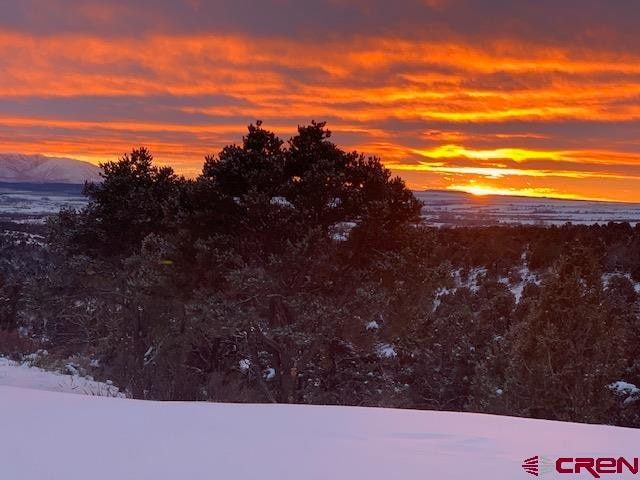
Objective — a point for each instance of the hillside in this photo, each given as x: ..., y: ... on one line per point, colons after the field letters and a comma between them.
x: 42, y: 169
x: 63, y: 436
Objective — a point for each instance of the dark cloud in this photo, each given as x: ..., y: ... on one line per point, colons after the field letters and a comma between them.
x: 597, y: 23
x: 124, y: 108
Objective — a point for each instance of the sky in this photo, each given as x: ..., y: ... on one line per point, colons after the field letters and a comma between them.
x: 534, y: 97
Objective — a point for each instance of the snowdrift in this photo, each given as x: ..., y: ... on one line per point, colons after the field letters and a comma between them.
x: 52, y: 435
x: 13, y: 374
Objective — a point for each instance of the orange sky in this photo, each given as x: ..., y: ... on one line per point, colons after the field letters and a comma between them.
x: 487, y: 96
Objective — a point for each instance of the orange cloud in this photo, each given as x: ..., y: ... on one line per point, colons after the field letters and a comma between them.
x: 405, y: 100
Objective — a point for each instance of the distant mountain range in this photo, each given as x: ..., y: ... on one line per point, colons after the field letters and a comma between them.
x: 21, y: 168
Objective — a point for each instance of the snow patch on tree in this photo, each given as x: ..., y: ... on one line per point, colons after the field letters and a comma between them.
x: 372, y: 325
x: 386, y: 350
x: 244, y: 365
x: 625, y: 389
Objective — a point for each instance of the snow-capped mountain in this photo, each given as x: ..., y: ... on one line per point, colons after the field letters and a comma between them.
x: 41, y: 169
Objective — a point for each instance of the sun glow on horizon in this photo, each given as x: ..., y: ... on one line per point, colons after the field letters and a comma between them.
x: 486, y: 190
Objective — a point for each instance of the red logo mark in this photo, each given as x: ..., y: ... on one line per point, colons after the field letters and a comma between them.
x: 532, y: 465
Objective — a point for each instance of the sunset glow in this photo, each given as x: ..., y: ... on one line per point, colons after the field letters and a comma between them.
x: 484, y: 190
x: 450, y: 94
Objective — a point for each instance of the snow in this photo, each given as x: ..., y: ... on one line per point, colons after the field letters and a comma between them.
x: 450, y: 208
x: 443, y: 291
x: 475, y: 276
x: 527, y: 277
x: 270, y: 373
x: 31, y: 203
x: 372, y: 325
x: 37, y: 204
x: 384, y: 350
x: 627, y: 389
x: 608, y: 276
x: 17, y: 238
x: 244, y: 365
x: 335, y: 203
x: 623, y: 387
x: 47, y: 435
x: 31, y: 221
x: 472, y: 281
x: 13, y: 374
x: 340, y: 237
x: 16, y: 167
x: 341, y: 230
x: 281, y: 202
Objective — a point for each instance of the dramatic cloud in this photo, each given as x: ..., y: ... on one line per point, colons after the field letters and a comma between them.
x: 527, y: 96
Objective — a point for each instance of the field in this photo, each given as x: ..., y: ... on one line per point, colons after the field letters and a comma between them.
x: 31, y: 203
x: 448, y: 208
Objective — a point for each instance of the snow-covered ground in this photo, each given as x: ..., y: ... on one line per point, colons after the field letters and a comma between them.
x: 449, y: 208
x: 52, y: 435
x: 32, y: 203
x: 13, y: 374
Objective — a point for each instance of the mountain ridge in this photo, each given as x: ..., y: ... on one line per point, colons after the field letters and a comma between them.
x: 37, y: 168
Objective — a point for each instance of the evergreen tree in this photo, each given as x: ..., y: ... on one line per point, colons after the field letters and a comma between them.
x: 565, y: 351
